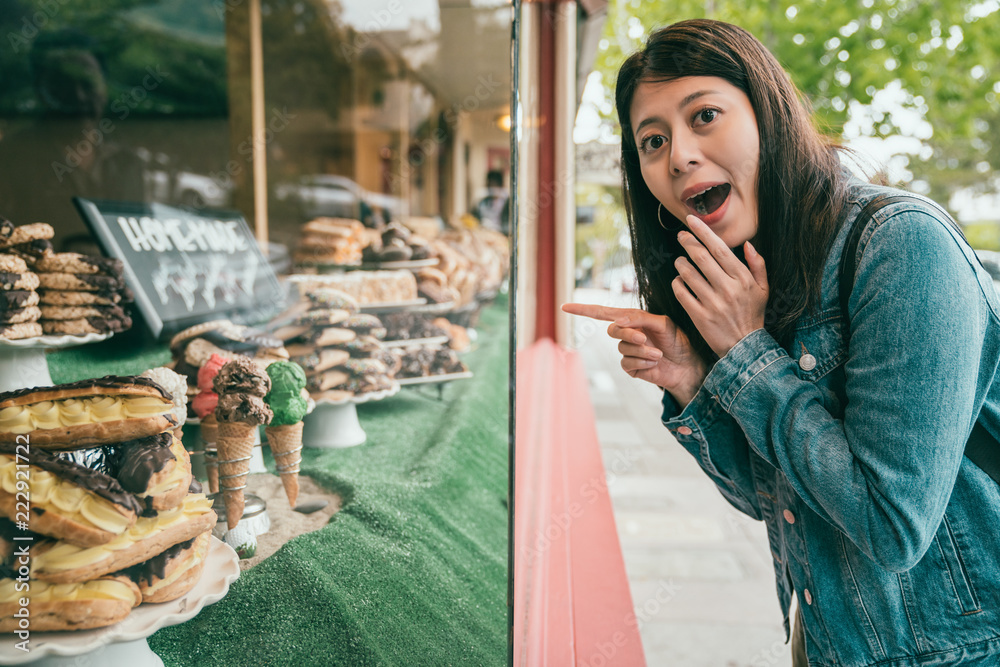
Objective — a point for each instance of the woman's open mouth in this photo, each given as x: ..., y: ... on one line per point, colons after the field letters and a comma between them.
x: 708, y: 202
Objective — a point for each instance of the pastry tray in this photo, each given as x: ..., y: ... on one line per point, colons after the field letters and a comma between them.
x: 366, y: 397
x: 433, y: 379
x: 222, y: 568
x: 51, y: 341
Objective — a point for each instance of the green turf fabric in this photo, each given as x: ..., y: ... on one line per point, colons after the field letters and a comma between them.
x: 412, y: 570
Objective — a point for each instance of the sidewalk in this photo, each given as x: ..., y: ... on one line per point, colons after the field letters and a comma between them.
x: 700, y: 572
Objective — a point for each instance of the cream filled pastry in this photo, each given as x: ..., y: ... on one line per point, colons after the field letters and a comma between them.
x: 68, y: 501
x: 60, y: 607
x: 61, y: 562
x: 86, y: 414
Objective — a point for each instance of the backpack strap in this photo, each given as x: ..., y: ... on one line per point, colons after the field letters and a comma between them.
x: 982, y: 448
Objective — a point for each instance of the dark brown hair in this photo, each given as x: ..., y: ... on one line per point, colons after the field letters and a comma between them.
x: 800, y: 186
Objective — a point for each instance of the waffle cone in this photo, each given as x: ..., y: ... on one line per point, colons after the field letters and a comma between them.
x: 234, y: 447
x: 286, y: 446
x: 209, y: 428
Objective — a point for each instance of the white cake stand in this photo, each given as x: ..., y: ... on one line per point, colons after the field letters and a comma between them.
x: 23, y: 363
x: 335, y: 425
x: 125, y: 643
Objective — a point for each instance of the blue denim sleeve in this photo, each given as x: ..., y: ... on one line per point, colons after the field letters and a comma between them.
x: 717, y: 443
x: 884, y: 473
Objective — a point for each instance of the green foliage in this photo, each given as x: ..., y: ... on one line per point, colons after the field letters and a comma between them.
x: 944, y: 54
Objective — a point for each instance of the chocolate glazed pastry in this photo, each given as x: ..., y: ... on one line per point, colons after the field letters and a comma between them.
x: 181, y: 563
x: 149, y: 465
x: 93, y: 507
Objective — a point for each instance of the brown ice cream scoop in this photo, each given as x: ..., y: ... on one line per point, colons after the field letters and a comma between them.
x: 243, y: 408
x: 242, y: 376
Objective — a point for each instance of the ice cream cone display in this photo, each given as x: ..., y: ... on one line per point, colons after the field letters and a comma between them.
x: 284, y: 434
x: 241, y: 385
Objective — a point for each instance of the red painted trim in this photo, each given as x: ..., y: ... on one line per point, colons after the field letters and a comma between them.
x: 572, y: 603
x: 545, y: 264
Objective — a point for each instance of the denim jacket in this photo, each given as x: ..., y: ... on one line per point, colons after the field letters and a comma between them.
x: 850, y: 448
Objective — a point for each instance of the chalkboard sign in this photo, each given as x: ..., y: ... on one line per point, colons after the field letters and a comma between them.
x: 186, y: 267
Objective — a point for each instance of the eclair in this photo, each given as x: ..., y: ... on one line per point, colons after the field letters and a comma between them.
x: 171, y: 574
x: 157, y: 469
x: 85, y: 414
x: 61, y: 562
x: 67, y: 501
x: 60, y: 607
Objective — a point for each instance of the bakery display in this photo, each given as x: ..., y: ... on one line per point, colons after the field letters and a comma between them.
x: 330, y: 241
x: 365, y: 287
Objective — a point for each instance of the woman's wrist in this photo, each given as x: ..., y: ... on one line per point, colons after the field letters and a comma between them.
x: 685, y: 392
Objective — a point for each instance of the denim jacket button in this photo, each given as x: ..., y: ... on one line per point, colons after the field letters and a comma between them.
x: 789, y: 517
x: 808, y: 596
x: 685, y: 430
x: 807, y: 362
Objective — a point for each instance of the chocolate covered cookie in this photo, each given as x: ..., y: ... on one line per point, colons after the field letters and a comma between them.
x: 51, y: 297
x: 73, y: 262
x: 83, y: 282
x: 19, y: 281
x: 20, y: 331
x: 20, y: 315
x: 80, y: 312
x: 16, y: 299
x: 86, y: 325
x: 27, y: 233
x: 12, y: 264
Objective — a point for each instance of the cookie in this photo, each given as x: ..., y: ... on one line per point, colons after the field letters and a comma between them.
x: 69, y: 502
x: 334, y: 395
x: 58, y: 608
x: 32, y: 251
x: 21, y: 315
x: 327, y: 380
x: 86, y: 325
x: 73, y: 262
x: 85, y: 414
x: 12, y: 264
x: 51, y: 297
x: 363, y: 323
x: 83, y: 282
x: 362, y: 346
x: 333, y: 298
x: 15, y: 299
x: 320, y: 360
x: 62, y: 563
x: 330, y: 336
x: 369, y: 366
x: 19, y: 281
x: 20, y: 331
x: 27, y: 233
x: 323, y: 317
x: 79, y: 312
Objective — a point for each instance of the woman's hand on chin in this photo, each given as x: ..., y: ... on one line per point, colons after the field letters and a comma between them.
x: 725, y: 298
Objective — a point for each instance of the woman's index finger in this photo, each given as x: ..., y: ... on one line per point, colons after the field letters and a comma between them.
x: 595, y: 311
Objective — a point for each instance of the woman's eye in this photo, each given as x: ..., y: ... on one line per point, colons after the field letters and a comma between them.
x: 705, y: 116
x: 652, y: 143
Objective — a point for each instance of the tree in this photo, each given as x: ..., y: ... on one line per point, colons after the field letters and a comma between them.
x: 943, y: 57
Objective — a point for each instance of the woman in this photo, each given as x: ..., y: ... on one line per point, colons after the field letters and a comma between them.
x: 844, y: 432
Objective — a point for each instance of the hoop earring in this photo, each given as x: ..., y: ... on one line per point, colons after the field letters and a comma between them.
x: 659, y: 207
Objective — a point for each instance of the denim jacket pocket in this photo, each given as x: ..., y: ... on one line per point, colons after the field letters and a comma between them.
x: 819, y: 349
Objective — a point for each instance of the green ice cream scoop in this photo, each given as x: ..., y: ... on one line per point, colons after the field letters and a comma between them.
x: 285, y: 398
